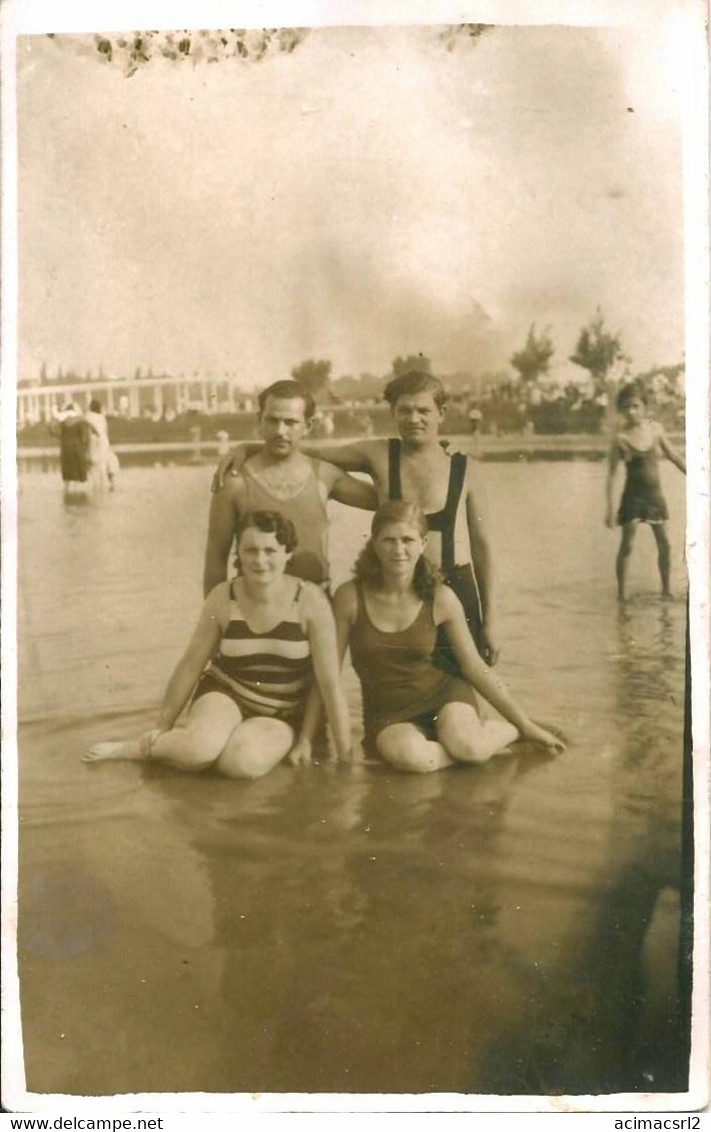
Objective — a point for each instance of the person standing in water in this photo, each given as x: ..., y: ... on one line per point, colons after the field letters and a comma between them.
x: 416, y: 716
x: 99, y: 446
x: 74, y: 439
x: 416, y: 467
x: 269, y: 642
x: 639, y: 446
x: 279, y: 476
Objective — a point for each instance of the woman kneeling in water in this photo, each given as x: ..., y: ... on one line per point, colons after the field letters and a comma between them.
x: 267, y: 635
x: 417, y: 717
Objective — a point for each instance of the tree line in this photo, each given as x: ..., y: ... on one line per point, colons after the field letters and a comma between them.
x: 598, y: 350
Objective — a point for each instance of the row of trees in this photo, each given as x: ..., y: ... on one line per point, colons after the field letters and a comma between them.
x: 597, y: 351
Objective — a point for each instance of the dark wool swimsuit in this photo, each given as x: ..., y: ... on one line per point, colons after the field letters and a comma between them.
x: 642, y: 500
x: 459, y: 578
x: 400, y: 681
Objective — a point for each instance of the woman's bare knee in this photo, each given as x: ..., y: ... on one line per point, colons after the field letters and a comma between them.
x: 412, y: 754
x: 255, y: 748
x: 240, y: 761
x: 468, y: 739
x: 470, y: 750
x: 190, y: 750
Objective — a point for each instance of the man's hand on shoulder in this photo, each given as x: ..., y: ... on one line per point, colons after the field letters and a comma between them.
x: 231, y: 464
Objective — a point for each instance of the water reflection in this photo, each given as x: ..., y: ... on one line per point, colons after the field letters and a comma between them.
x: 616, y: 1018
x: 345, y: 928
x: 356, y: 920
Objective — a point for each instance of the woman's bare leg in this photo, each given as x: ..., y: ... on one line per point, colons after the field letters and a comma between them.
x: 210, y: 722
x: 468, y: 739
x: 255, y: 747
x: 405, y: 747
x: 623, y: 554
x: 663, y: 555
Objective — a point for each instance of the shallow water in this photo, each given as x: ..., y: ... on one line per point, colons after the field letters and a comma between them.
x: 506, y: 929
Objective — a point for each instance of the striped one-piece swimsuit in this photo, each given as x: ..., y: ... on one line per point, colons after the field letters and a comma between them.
x: 265, y: 674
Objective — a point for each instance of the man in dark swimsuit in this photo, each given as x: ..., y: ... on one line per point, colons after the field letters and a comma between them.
x: 417, y: 467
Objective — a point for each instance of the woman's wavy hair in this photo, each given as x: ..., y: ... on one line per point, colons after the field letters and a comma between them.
x: 368, y: 571
x: 270, y: 522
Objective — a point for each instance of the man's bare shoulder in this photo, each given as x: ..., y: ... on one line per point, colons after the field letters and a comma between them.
x: 327, y: 472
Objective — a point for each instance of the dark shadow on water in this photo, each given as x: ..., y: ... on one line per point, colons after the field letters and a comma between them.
x: 617, y: 1017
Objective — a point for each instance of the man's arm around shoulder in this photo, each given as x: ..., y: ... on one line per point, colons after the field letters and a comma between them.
x: 225, y: 507
x: 346, y: 488
x: 357, y: 456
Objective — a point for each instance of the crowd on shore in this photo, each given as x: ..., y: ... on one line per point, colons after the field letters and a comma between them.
x: 548, y: 408
x: 493, y: 408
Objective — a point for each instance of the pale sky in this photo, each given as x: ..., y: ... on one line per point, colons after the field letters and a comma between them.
x: 369, y: 195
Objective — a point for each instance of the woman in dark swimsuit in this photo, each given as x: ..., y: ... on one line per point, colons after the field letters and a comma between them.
x: 640, y: 447
x: 418, y: 717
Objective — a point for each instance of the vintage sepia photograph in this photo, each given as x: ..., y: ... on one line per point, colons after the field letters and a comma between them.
x: 354, y: 389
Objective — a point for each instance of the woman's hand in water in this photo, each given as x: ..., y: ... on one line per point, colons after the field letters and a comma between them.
x: 540, y: 735
x: 301, y: 753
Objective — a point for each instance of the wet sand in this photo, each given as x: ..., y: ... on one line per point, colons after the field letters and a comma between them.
x: 510, y: 929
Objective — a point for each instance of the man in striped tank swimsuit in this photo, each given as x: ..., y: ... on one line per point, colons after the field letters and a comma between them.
x: 280, y: 477
x: 415, y: 467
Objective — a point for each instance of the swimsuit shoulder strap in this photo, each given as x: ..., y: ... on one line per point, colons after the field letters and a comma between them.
x: 394, y: 480
x: 457, y: 476
x: 447, y: 518
x: 236, y: 613
x: 318, y: 468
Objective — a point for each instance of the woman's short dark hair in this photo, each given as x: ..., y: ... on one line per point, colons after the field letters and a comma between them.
x: 632, y: 391
x: 270, y: 522
x: 416, y: 381
x: 94, y: 405
x: 286, y: 390
x: 367, y: 569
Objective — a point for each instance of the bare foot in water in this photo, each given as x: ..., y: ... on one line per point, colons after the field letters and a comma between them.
x: 128, y: 750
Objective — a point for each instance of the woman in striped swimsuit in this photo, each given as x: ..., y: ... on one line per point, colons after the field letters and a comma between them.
x: 266, y: 635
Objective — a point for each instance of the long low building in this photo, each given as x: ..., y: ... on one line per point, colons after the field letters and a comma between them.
x: 133, y: 397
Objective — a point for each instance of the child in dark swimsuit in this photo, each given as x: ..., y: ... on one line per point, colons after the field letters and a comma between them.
x: 639, y: 446
x: 417, y: 716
